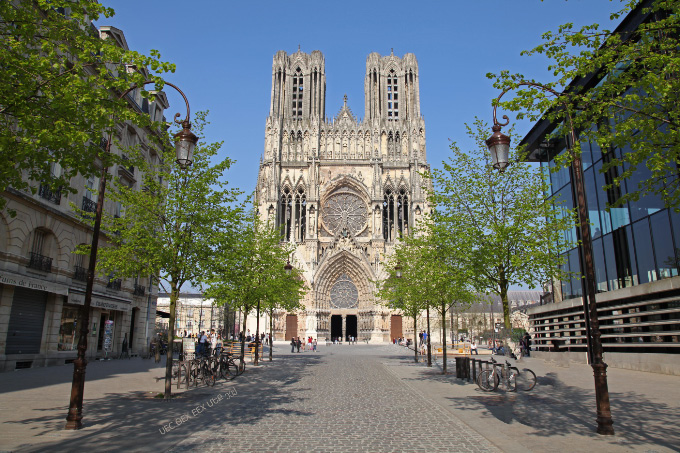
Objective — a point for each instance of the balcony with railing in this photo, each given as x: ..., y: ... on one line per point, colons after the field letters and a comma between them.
x: 126, y: 169
x: 80, y: 273
x: 114, y: 284
x: 40, y: 262
x: 53, y: 196
x: 139, y: 290
x: 89, y: 205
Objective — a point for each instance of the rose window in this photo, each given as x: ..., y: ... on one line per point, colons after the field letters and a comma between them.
x: 344, y: 210
x: 343, y: 293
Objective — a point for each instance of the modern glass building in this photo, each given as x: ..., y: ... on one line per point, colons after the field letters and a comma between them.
x: 636, y: 250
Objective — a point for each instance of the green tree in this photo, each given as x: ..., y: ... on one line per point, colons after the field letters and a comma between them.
x: 58, y: 94
x: 632, y: 103
x: 251, y: 272
x: 433, y: 276
x: 503, y: 230
x: 397, y: 293
x: 170, y: 228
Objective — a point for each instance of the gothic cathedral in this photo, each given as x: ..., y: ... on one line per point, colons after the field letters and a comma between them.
x: 342, y: 190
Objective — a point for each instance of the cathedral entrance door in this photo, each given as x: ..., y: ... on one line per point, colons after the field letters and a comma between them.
x: 351, y: 326
x: 336, y: 327
x: 291, y: 327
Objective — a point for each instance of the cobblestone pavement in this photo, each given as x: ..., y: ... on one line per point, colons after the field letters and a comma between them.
x: 342, y: 398
x: 345, y: 399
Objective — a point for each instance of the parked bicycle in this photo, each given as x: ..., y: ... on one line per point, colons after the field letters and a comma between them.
x: 228, y: 367
x: 513, y: 379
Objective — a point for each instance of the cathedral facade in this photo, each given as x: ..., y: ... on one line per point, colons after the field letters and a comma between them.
x: 342, y: 190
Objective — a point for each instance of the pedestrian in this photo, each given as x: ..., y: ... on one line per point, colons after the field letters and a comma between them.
x: 292, y: 344
x: 205, y: 343
x: 420, y: 338
x: 314, y: 345
x: 527, y: 344
x: 298, y: 344
x: 473, y: 348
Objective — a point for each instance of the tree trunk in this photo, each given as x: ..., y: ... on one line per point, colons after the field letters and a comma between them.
x: 504, y: 299
x: 174, y: 294
x: 429, y: 348
x: 415, y: 335
x: 257, y: 335
x: 243, y: 342
x: 444, y: 337
x: 271, y: 336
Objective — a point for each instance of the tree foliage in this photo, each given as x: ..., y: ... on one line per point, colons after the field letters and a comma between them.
x: 59, y: 91
x: 502, y: 230
x: 251, y: 270
x: 433, y: 274
x: 170, y: 228
x: 635, y: 104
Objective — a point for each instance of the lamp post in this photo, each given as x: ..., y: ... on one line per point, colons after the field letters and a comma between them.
x: 184, y: 150
x: 499, y: 146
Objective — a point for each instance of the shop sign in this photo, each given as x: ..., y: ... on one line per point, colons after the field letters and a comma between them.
x: 105, y: 303
x: 8, y: 278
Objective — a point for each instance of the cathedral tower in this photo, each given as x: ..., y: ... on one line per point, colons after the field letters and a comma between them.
x: 342, y: 190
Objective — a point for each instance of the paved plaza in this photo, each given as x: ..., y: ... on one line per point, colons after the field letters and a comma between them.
x: 343, y: 398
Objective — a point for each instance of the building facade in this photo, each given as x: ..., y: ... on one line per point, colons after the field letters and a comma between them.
x: 636, y: 246
x: 194, y: 313
x: 342, y: 189
x: 42, y: 280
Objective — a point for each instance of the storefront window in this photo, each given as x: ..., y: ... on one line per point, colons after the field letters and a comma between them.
x: 68, y: 334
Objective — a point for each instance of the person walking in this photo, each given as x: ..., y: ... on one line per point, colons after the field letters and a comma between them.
x: 293, y: 343
x: 298, y: 344
x: 314, y: 345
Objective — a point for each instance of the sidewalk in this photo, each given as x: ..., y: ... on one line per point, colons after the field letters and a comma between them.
x: 559, y: 414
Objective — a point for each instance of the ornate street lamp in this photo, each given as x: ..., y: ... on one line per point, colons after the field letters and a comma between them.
x: 184, y: 150
x: 186, y: 142
x: 288, y: 268
x: 499, y: 146
x: 397, y: 270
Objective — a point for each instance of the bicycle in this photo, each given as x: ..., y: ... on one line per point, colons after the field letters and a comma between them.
x: 227, y: 368
x: 202, y: 370
x: 488, y: 380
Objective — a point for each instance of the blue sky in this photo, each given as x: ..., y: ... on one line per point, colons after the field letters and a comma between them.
x: 223, y: 51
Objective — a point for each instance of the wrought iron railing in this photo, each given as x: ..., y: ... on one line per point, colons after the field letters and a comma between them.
x: 89, y: 205
x: 139, y: 290
x: 40, y: 262
x: 49, y: 195
x: 80, y: 273
x: 114, y: 284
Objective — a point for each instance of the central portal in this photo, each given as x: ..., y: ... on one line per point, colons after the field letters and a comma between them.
x: 351, y: 327
x: 336, y: 327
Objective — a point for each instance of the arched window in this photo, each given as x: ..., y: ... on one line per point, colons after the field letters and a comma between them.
x: 395, y: 214
x: 298, y: 88
x: 285, y: 213
x: 402, y: 212
x: 300, y: 215
x: 392, y: 96
x: 388, y: 216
